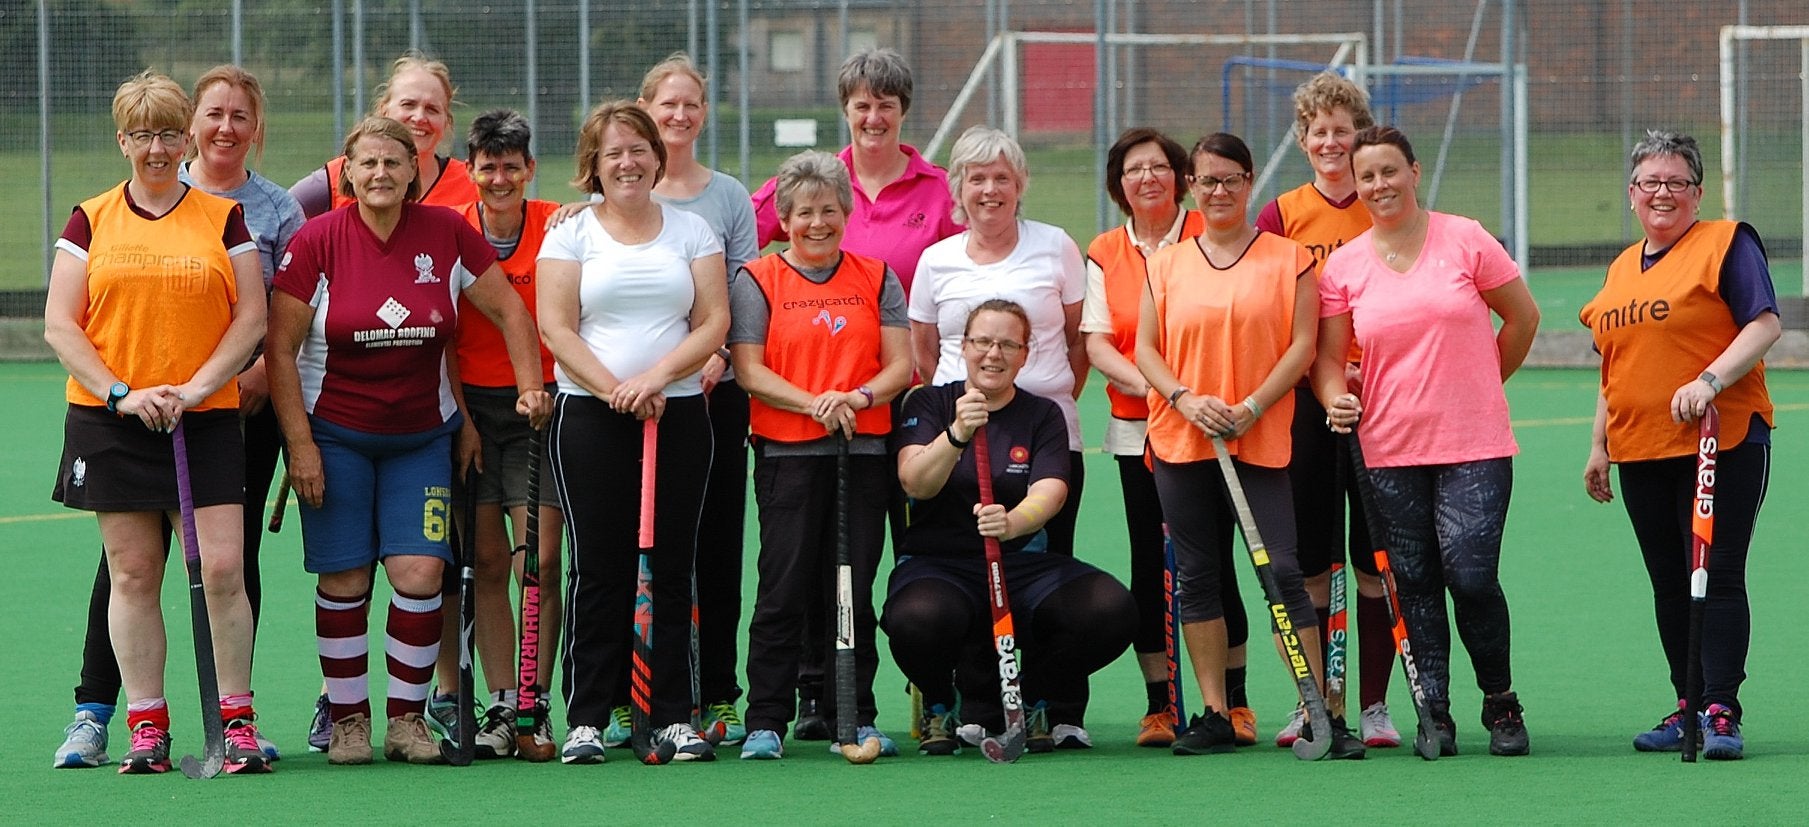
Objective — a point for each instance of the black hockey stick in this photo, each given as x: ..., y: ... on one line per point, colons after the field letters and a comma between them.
x: 640, y: 679
x: 847, y: 706
x: 213, y: 756
x: 460, y: 747
x: 528, y: 667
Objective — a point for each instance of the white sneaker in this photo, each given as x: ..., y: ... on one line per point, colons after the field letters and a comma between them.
x: 1291, y: 733
x: 496, y: 733
x: 971, y: 734
x: 583, y: 745
x: 1378, y: 727
x: 687, y: 745
x: 1069, y: 736
x: 84, y: 743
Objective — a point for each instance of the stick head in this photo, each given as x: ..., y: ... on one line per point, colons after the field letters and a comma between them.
x: 1005, y: 748
x: 863, y: 753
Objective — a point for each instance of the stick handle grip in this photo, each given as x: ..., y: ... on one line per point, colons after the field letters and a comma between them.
x: 650, y: 446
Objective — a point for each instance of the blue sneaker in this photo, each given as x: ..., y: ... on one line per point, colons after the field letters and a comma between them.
x: 1721, y: 739
x: 320, y: 730
x: 887, y: 748
x: 620, y: 729
x: 443, y: 715
x: 1666, y: 737
x: 762, y: 745
x: 84, y: 743
x: 722, y: 724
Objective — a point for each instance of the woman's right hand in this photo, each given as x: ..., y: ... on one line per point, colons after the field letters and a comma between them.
x: 307, y: 477
x: 1595, y: 476
x: 1342, y: 415
x: 834, y: 412
x: 564, y: 212
x: 970, y: 415
x: 1208, y: 413
x: 158, y: 408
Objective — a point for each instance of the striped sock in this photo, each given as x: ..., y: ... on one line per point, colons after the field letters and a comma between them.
x: 341, y: 629
x: 235, y: 706
x: 155, y: 711
x: 412, y: 646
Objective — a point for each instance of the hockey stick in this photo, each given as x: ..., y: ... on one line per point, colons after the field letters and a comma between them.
x: 1702, y: 538
x: 1171, y: 632
x: 640, y: 683
x: 528, y: 672
x: 847, y: 708
x: 1008, y: 746
x: 1337, y: 638
x: 1425, y: 740
x: 460, y: 747
x: 213, y: 756
x: 282, y: 502
x: 1319, y: 720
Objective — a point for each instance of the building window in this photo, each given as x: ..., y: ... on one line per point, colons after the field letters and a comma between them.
x: 786, y: 52
x: 860, y: 40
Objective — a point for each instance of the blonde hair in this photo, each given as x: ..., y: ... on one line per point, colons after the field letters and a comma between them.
x: 984, y: 145
x: 677, y: 63
x: 590, y: 141
x: 1329, y: 92
x: 150, y: 100
x: 412, y: 60
x: 243, y: 81
x: 379, y: 127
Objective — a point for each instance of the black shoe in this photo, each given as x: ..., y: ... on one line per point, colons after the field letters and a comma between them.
x: 812, y: 726
x: 1443, y: 727
x: 1507, y: 729
x: 1346, y: 746
x: 1205, y: 735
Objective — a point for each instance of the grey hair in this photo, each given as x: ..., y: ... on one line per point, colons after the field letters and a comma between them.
x: 1664, y: 142
x: 879, y: 71
x: 983, y: 145
x: 812, y: 171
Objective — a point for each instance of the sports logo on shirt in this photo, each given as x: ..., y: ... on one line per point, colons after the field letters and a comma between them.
x: 424, y: 270
x: 834, y: 324
x: 393, y: 313
x: 1020, y: 460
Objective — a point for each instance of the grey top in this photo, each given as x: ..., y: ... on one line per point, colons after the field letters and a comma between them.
x: 729, y: 210
x: 271, y: 215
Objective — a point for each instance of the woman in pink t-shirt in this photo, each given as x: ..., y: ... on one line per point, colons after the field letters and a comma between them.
x: 1416, y: 291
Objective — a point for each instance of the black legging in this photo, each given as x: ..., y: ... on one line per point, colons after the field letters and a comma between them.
x: 1082, y: 625
x: 1143, y: 519
x: 1658, y: 495
x: 719, y: 547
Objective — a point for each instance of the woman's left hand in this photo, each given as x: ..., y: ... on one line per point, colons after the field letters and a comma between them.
x: 992, y: 521
x: 712, y: 371
x: 834, y: 412
x: 635, y: 394
x: 1691, y: 401
x: 1595, y: 476
x: 467, y: 450
x: 254, y: 389
x: 537, y: 406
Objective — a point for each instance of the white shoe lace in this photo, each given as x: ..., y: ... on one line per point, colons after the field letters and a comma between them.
x: 582, y: 736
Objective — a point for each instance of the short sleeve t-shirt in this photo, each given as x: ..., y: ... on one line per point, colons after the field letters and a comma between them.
x: 1027, y: 442
x: 1431, y: 380
x: 634, y: 300
x: 384, y: 312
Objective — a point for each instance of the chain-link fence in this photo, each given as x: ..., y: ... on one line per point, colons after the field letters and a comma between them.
x: 1595, y: 76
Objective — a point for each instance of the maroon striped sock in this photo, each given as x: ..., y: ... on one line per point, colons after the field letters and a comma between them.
x: 412, y: 646
x: 341, y: 629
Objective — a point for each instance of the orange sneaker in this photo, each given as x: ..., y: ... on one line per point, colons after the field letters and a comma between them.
x: 1243, y: 724
x: 1157, y: 730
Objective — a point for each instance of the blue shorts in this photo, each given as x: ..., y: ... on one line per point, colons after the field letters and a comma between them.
x: 386, y: 495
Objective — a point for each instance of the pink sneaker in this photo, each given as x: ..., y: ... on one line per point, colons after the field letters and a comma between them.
x: 150, y: 751
x: 243, y: 754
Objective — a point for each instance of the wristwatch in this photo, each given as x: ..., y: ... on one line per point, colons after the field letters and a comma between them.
x: 1713, y: 381
x: 115, y: 395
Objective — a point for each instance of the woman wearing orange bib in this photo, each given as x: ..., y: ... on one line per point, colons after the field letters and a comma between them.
x: 1684, y: 320
x: 820, y: 339
x: 1226, y: 330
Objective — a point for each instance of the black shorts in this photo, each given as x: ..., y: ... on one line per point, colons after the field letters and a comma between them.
x: 115, y: 463
x: 1029, y: 577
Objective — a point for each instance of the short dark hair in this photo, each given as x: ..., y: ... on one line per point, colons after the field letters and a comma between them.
x: 1131, y: 139
x: 1227, y: 146
x: 1383, y: 135
x: 499, y: 132
x: 880, y: 71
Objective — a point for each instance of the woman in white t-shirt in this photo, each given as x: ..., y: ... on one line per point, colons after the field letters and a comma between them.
x: 632, y: 301
x: 1003, y: 256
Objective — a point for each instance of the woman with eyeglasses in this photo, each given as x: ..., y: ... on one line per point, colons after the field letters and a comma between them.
x: 1225, y: 330
x: 1417, y: 292
x: 1070, y: 618
x: 1683, y: 322
x: 1145, y: 176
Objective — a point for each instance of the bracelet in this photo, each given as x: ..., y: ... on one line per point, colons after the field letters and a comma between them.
x: 960, y: 444
x: 1713, y: 381
x: 1174, y: 399
x: 866, y: 392
x: 723, y: 352
x: 1256, y: 411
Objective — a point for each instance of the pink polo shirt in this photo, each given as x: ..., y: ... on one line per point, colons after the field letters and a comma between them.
x: 909, y: 215
x: 1431, y: 373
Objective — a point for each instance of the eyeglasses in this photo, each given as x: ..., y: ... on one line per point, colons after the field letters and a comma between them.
x: 985, y: 344
x: 1232, y: 183
x: 1149, y: 171
x: 1674, y: 184
x: 170, y: 137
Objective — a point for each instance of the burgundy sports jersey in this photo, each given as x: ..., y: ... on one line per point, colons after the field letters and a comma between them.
x: 384, y: 312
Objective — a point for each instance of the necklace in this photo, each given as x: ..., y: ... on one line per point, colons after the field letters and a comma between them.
x: 1393, y: 254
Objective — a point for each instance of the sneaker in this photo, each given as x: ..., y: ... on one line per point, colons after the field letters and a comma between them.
x: 687, y: 745
x: 320, y: 730
x: 266, y: 746
x: 1721, y: 739
x: 1243, y: 723
x: 938, y: 728
x: 408, y: 738
x: 1205, y: 735
x: 1157, y: 729
x: 539, y: 747
x: 442, y: 716
x: 1039, y: 738
x: 150, y: 751
x: 1443, y: 727
x: 496, y: 735
x: 812, y: 726
x: 1667, y: 736
x: 84, y: 743
x: 1070, y: 736
x: 1507, y: 729
x: 971, y: 734
x: 1345, y: 746
x: 1291, y: 733
x: 349, y: 740
x: 722, y: 725
x: 243, y: 753
x: 583, y: 745
x: 887, y: 747
x: 762, y: 745
x: 620, y: 729
x: 1378, y: 727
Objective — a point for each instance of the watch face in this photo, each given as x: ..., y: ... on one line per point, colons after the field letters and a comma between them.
x: 119, y: 390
